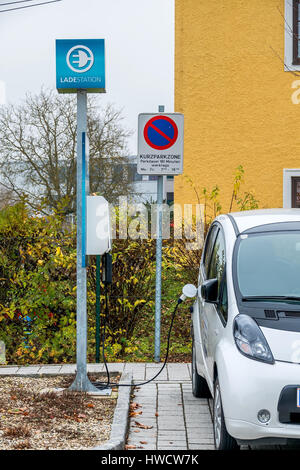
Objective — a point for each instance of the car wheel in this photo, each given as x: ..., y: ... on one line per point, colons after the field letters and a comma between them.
x: 223, y: 440
x: 199, y: 385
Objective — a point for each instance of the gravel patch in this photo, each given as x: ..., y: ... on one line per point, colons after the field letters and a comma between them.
x: 30, y: 419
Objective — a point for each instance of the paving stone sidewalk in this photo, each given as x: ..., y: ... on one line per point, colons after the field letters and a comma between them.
x: 175, y: 418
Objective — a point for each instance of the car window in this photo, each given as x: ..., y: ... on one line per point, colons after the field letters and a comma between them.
x: 268, y: 264
x: 223, y: 305
x: 217, y: 263
x: 208, y: 248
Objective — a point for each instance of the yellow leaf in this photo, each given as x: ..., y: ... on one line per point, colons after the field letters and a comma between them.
x: 59, y: 252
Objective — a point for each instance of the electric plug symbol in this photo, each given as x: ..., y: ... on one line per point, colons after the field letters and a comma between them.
x: 85, y: 59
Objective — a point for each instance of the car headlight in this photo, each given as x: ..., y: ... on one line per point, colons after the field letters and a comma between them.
x: 250, y: 340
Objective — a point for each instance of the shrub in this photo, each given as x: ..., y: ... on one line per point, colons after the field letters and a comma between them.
x: 38, y: 289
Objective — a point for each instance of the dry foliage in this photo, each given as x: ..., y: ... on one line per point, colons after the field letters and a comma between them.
x: 68, y: 420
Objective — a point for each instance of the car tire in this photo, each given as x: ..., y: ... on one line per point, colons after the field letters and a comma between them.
x: 222, y: 439
x: 199, y: 385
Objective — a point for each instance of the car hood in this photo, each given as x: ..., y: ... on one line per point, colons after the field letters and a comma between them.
x: 285, y: 345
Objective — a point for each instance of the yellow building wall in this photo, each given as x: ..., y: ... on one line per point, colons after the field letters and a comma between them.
x: 231, y: 86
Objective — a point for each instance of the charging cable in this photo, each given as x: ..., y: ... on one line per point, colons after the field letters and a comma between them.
x: 102, y: 385
x: 189, y: 290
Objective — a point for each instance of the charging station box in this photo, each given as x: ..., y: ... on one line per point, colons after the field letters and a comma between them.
x: 98, y: 227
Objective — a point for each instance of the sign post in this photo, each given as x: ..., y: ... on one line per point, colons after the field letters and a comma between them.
x: 80, y: 68
x: 160, y: 152
x: 160, y: 194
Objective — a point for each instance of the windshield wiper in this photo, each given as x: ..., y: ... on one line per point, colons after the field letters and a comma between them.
x: 270, y: 297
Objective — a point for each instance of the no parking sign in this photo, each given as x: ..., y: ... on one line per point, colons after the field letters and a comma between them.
x: 160, y: 144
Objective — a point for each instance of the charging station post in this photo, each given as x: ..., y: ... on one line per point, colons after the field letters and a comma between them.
x: 82, y: 382
x: 80, y: 69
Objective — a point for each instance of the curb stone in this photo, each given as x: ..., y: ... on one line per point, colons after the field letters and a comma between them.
x: 120, y: 422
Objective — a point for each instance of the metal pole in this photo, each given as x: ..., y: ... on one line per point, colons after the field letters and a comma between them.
x: 82, y: 382
x: 160, y: 190
x: 98, y: 319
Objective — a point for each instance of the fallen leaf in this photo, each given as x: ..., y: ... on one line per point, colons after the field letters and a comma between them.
x: 15, y: 412
x: 135, y: 413
x: 136, y: 430
x: 90, y: 405
x: 129, y: 447
x: 134, y: 406
x: 143, y: 442
x: 143, y: 426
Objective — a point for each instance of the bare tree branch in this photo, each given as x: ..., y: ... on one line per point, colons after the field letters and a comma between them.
x: 38, y: 150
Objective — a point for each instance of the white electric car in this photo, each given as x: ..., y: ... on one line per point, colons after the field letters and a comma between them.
x: 246, y: 327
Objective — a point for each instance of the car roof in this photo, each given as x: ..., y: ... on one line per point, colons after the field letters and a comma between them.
x: 248, y: 219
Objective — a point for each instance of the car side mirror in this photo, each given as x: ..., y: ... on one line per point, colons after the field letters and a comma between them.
x: 209, y: 291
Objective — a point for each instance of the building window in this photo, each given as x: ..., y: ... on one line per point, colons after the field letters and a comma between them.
x: 291, y: 188
x: 170, y: 198
x: 296, y: 35
x: 153, y: 177
x: 133, y: 174
x: 295, y: 192
x: 292, y: 35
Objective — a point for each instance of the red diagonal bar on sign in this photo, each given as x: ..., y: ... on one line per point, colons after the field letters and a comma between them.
x: 160, y: 132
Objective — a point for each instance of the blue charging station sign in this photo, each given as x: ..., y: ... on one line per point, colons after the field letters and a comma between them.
x: 80, y: 65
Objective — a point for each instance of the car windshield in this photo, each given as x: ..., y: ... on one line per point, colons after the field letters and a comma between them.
x: 268, y: 265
